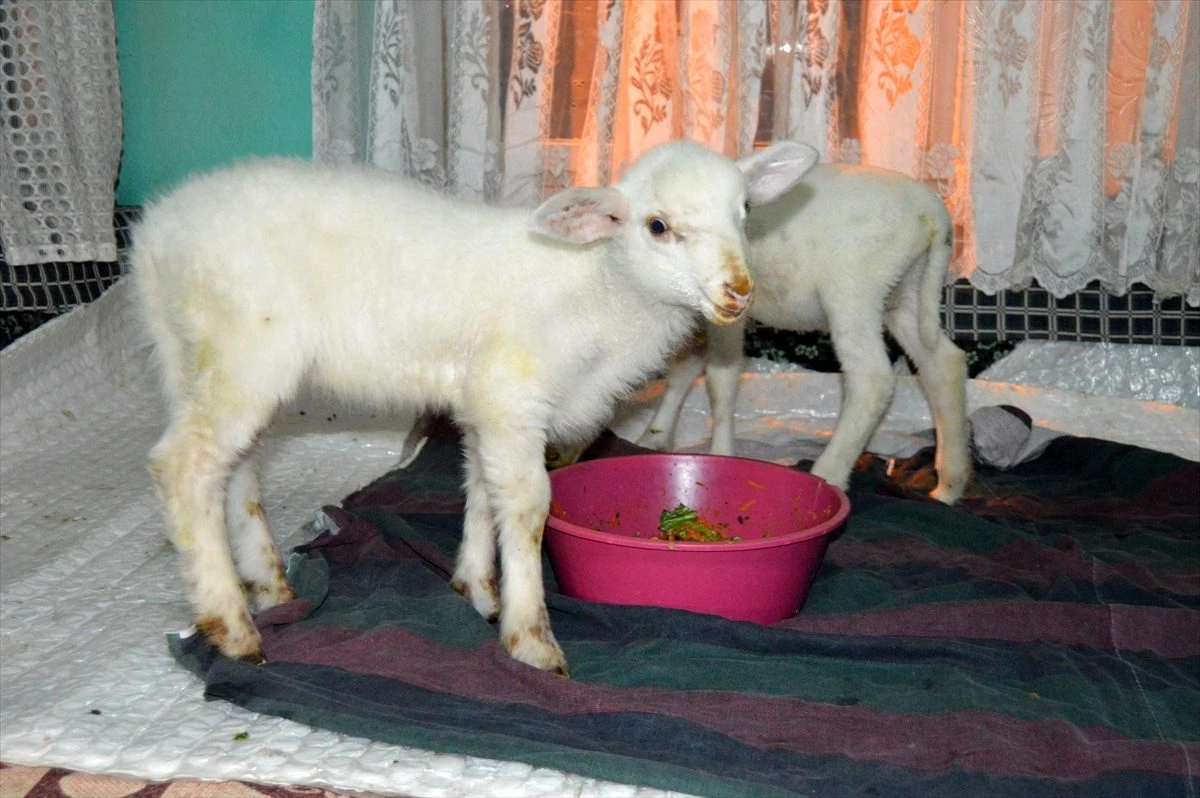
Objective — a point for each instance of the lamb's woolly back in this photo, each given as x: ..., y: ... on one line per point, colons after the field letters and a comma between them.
x: 524, y: 326
x: 280, y: 223
x: 803, y: 246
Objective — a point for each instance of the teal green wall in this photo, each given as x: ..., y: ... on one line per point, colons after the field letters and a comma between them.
x: 206, y: 82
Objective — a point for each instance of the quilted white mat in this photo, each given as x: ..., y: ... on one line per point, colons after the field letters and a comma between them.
x: 89, y: 585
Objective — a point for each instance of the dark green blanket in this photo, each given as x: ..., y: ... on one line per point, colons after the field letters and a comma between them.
x: 1042, y: 638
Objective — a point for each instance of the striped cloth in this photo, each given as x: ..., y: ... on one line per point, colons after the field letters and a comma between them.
x: 1041, y: 638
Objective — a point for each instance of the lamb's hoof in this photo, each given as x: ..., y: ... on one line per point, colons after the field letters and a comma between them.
x: 282, y: 594
x: 485, y: 598
x: 254, y: 658
x: 238, y: 641
x: 537, y: 647
x: 265, y: 595
x: 655, y: 439
x: 558, y: 456
x: 841, y: 482
x: 946, y: 494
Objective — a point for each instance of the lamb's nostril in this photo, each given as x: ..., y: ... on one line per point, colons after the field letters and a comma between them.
x: 741, y: 284
x: 739, y: 293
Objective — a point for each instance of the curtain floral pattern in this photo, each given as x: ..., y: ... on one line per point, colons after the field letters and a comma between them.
x: 1064, y: 135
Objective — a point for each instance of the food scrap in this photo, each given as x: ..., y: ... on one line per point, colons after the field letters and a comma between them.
x: 686, y: 524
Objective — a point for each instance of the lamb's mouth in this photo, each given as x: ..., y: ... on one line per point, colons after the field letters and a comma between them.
x: 723, y: 314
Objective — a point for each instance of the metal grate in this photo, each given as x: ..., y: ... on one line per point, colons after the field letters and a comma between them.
x: 1091, y: 314
x: 59, y: 286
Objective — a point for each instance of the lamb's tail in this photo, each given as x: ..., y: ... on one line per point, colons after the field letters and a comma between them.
x: 146, y: 265
x: 933, y: 279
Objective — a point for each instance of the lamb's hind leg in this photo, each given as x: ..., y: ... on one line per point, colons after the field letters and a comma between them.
x: 953, y: 441
x: 255, y: 553
x: 191, y: 465
x: 942, y: 374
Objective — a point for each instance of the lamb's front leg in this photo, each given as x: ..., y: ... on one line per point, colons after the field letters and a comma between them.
x: 519, y: 489
x: 724, y: 369
x: 867, y: 386
x: 475, y: 569
x: 685, y: 368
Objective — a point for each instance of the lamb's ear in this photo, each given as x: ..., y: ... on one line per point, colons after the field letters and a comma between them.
x: 775, y: 170
x: 582, y: 215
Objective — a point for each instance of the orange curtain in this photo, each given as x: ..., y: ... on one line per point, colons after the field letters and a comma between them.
x: 1063, y: 135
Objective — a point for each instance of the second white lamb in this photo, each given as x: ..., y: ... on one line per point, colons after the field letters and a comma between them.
x: 852, y: 250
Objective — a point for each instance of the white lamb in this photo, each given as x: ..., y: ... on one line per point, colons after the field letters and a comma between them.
x: 526, y: 327
x: 849, y: 250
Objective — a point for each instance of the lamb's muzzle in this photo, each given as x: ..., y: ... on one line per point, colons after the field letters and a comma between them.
x: 737, y: 295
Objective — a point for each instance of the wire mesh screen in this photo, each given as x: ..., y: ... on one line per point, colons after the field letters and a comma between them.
x: 1091, y: 314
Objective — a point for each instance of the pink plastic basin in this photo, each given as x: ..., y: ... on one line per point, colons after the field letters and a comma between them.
x: 605, y: 512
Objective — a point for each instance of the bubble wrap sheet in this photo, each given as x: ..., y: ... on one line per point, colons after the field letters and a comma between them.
x: 89, y: 584
x: 1133, y: 371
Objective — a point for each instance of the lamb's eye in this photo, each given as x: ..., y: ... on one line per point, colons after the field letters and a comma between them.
x: 746, y: 206
x: 657, y: 226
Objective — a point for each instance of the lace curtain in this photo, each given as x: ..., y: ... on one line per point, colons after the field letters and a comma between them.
x: 1064, y: 135
x: 60, y: 131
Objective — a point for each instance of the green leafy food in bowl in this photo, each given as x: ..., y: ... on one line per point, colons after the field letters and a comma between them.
x: 685, y: 524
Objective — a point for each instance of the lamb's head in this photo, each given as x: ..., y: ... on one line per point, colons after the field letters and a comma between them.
x: 677, y: 217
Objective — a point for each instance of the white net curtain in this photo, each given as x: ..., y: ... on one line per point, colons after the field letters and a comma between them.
x: 60, y: 130
x: 1064, y: 135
